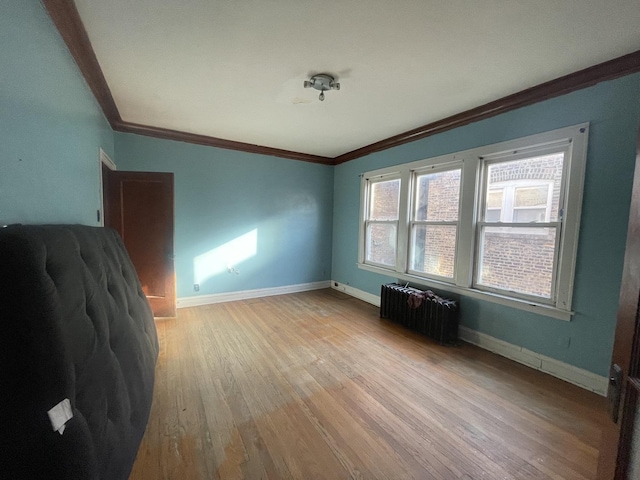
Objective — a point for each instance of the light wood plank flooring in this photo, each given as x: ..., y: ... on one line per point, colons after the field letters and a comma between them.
x: 316, y: 385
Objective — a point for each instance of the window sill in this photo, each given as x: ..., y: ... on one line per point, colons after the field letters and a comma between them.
x: 528, y: 306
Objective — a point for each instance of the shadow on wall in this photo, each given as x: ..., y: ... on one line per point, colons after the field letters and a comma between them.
x: 225, y: 257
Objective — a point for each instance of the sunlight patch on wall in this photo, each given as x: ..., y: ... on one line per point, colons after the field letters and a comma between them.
x: 225, y: 257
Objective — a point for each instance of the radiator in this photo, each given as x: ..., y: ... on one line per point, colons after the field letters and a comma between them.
x: 422, y: 311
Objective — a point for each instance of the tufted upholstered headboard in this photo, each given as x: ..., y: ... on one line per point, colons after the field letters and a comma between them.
x: 74, y: 324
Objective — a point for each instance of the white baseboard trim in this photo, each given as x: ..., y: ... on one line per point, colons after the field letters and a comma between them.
x: 357, y: 293
x: 577, y: 376
x: 199, y: 300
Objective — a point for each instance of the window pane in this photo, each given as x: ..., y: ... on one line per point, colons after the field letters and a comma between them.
x: 526, y: 183
x: 434, y: 249
x: 517, y: 259
x: 493, y: 215
x: 438, y: 196
x: 385, y: 200
x: 381, y: 243
x: 528, y: 215
x: 494, y: 198
x: 531, y: 196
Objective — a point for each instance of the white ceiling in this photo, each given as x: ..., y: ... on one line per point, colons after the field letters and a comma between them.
x: 234, y: 69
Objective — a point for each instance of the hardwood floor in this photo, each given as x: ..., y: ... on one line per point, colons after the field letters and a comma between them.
x: 316, y: 385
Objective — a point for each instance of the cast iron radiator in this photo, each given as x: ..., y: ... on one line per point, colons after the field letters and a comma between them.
x: 422, y: 311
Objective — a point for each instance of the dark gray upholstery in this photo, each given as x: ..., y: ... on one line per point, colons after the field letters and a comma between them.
x: 75, y: 324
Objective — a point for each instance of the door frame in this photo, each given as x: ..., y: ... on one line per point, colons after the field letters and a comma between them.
x: 103, y: 159
x: 615, y: 442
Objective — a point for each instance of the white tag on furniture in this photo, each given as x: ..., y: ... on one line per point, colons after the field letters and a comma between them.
x: 60, y: 415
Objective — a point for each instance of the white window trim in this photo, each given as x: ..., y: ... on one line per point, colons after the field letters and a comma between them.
x: 412, y: 211
x: 575, y: 138
x: 366, y: 186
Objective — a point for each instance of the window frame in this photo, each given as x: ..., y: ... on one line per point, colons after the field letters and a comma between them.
x: 560, y: 145
x: 415, y: 173
x: 366, y: 221
x: 472, y: 197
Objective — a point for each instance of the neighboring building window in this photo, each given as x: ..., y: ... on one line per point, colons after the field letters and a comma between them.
x: 498, y: 222
x: 495, y: 205
x: 382, y: 222
x: 521, y: 201
x: 434, y: 222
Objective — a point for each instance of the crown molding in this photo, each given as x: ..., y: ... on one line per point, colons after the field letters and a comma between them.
x: 618, y: 67
x: 67, y: 20
x: 157, y: 132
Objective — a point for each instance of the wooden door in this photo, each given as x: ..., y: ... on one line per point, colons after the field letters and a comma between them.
x: 620, y: 448
x: 139, y: 205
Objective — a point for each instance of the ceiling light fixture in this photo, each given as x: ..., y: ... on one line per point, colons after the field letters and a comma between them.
x: 322, y: 82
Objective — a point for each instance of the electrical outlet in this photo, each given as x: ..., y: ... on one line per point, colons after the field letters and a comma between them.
x: 196, y: 287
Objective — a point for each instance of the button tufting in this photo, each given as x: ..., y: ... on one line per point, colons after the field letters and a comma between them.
x: 106, y: 345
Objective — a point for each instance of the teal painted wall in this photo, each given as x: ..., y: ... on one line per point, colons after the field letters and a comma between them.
x: 283, y: 207
x: 51, y: 127
x: 613, y: 109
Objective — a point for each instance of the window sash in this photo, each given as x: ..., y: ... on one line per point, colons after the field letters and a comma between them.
x: 509, y: 209
x: 370, y: 213
x: 414, y: 225
x: 434, y: 170
x: 433, y: 222
x: 368, y: 252
x: 365, y: 229
x: 520, y: 225
x: 525, y: 228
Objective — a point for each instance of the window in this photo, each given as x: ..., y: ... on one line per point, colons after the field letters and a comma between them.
x: 498, y: 222
x: 382, y: 221
x: 517, y: 237
x: 434, y: 222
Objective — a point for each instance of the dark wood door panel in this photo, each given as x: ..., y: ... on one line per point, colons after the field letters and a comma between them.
x: 139, y: 205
